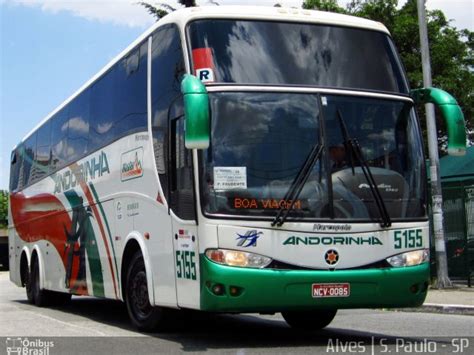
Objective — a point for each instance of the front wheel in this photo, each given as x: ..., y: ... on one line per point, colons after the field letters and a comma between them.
x: 142, y: 314
x: 309, y: 320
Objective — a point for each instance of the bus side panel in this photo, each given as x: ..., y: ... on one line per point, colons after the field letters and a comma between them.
x: 154, y: 219
x: 14, y: 255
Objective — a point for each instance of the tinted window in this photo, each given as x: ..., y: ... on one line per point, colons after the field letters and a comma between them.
x: 102, y: 110
x: 59, y: 139
x: 130, y: 98
x: 167, y: 71
x: 43, y: 149
x: 29, y: 150
x: 15, y: 176
x: 181, y: 163
x: 254, y: 52
x: 78, y: 127
x: 119, y: 100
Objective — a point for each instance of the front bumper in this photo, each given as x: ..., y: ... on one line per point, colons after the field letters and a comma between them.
x: 270, y: 290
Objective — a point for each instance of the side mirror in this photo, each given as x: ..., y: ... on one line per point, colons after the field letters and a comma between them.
x: 452, y: 115
x: 196, y: 113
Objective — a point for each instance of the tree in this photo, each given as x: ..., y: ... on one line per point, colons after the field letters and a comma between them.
x: 160, y: 10
x: 323, y: 5
x: 3, y: 209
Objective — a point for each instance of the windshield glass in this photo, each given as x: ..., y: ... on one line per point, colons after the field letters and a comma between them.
x: 263, y: 52
x: 259, y: 141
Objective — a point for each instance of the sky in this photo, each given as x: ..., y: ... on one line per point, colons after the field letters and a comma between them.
x: 50, y: 48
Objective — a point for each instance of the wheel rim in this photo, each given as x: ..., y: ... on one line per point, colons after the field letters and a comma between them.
x: 139, y: 295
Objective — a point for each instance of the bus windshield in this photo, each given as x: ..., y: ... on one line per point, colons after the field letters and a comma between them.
x: 259, y: 141
x: 284, y: 53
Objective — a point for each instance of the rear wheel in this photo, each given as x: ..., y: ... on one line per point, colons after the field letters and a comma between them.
x: 143, y: 315
x: 309, y: 320
x: 41, y: 297
x: 28, y: 284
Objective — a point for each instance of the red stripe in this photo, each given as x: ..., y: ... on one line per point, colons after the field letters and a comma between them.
x: 89, y: 197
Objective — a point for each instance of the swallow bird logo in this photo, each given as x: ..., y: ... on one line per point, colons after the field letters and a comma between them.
x: 249, y: 239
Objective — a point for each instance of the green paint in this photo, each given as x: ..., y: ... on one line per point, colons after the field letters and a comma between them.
x: 104, y: 217
x: 92, y: 251
x: 196, y: 112
x: 452, y: 115
x: 410, y: 238
x: 267, y: 290
x: 370, y: 240
x: 186, y: 264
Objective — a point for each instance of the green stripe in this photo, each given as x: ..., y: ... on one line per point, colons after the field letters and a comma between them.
x: 92, y: 249
x: 94, y: 192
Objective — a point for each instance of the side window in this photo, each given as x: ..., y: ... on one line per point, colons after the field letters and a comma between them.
x: 102, y: 111
x: 130, y: 99
x: 59, y: 139
x: 167, y: 69
x: 43, y: 150
x: 181, y: 165
x: 15, y: 173
x: 29, y: 151
x: 78, y: 127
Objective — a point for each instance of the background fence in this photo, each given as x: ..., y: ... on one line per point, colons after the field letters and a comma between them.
x: 458, y: 208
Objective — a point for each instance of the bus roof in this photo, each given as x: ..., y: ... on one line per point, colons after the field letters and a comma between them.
x: 182, y: 16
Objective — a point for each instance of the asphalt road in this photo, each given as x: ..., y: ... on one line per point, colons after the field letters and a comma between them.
x: 94, y: 326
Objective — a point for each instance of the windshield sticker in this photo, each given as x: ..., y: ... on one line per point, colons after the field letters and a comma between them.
x: 203, y: 64
x: 265, y: 204
x: 230, y: 177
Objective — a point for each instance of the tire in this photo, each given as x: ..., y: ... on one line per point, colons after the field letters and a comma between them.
x: 309, y: 320
x: 29, y: 285
x: 40, y: 296
x: 143, y: 315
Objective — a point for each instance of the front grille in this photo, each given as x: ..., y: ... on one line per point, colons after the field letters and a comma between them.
x: 279, y: 265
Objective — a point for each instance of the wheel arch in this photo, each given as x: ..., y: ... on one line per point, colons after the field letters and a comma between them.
x: 134, y: 243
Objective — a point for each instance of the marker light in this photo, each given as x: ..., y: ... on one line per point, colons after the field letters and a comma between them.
x: 411, y: 258
x: 237, y: 258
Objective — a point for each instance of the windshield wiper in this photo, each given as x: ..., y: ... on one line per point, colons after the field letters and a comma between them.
x: 297, y: 185
x: 356, y: 151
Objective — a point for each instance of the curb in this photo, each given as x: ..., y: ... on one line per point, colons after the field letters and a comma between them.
x: 459, y: 309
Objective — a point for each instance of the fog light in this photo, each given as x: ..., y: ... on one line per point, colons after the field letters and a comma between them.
x: 218, y: 289
x: 235, y: 291
x: 414, y: 288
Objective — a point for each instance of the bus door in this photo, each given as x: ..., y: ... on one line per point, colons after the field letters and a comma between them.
x: 183, y: 216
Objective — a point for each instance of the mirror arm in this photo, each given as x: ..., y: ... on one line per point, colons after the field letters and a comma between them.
x: 451, y: 113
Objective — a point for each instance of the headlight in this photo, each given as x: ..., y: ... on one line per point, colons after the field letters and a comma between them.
x: 410, y: 258
x: 237, y: 258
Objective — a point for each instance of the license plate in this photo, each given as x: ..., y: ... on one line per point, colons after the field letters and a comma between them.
x: 331, y: 290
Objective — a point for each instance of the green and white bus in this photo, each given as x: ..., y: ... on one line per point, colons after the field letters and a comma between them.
x: 232, y: 159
